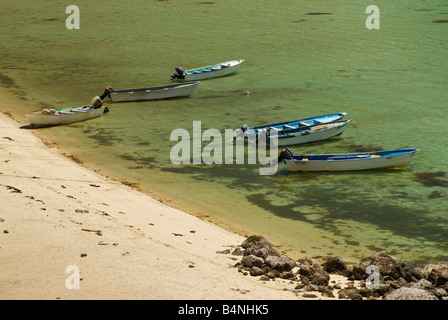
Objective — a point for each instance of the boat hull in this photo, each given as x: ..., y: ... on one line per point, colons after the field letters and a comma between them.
x: 63, y: 116
x: 154, y: 93
x: 317, y: 133
x: 351, y: 162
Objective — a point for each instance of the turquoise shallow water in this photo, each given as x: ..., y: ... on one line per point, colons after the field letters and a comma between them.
x: 303, y: 58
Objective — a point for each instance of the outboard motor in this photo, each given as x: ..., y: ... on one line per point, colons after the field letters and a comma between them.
x: 106, y: 93
x: 179, y: 74
x: 96, y: 102
x: 240, y: 134
x: 284, y: 154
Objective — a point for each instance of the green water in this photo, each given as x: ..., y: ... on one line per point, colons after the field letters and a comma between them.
x: 391, y: 82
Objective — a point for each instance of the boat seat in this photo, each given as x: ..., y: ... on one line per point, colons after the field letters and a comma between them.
x: 288, y: 127
x: 303, y: 124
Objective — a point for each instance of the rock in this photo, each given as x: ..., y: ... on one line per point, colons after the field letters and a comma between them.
x: 407, y: 270
x: 264, y: 278
x: 309, y: 271
x: 348, y: 292
x: 309, y: 295
x: 326, y: 292
x: 256, y: 271
x: 359, y: 272
x: 237, y: 252
x: 252, y: 261
x: 259, y: 246
x: 423, y: 284
x: 273, y: 274
x: 287, y: 275
x: 280, y: 263
x: 336, y: 265
x: 320, y: 279
x: 307, y: 261
x: 440, y: 293
x: 365, y: 292
x: 355, y: 296
x: 389, y: 266
x: 299, y: 286
x: 410, y: 294
x: 311, y: 287
x: 382, y: 260
x: 436, y: 273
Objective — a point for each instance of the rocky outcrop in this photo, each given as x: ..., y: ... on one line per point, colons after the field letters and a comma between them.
x: 395, y: 279
x: 259, y: 246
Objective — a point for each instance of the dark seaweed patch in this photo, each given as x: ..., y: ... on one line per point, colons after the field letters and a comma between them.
x: 432, y: 178
x: 7, y: 82
x: 50, y: 20
x: 317, y: 13
x: 440, y: 21
x: 435, y: 194
x: 105, y: 138
x: 146, y: 161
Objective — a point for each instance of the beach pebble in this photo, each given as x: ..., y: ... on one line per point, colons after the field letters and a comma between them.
x: 309, y: 295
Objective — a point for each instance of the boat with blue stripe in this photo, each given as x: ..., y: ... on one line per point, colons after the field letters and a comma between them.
x: 348, y: 161
x: 207, y: 72
x: 297, y: 131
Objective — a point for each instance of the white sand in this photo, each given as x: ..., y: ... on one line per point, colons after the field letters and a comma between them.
x: 55, y: 213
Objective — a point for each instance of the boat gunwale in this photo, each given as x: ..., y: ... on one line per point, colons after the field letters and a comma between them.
x: 159, y: 88
x: 330, y: 115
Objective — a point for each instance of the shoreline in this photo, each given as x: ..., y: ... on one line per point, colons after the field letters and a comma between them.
x: 126, y: 245
x: 67, y: 232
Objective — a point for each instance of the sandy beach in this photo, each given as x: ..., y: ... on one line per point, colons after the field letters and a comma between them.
x: 58, y: 218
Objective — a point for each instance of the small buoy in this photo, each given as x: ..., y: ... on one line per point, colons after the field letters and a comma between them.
x: 247, y: 93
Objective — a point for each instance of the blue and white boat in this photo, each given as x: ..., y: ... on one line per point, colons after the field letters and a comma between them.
x: 347, y: 162
x: 207, y: 72
x: 298, y: 131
